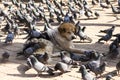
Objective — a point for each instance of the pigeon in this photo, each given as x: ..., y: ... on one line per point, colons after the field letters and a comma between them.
x: 42, y: 57
x: 88, y: 14
x: 107, y: 30
x: 5, y: 57
x: 113, y: 49
x: 118, y: 67
x: 115, y: 10
x: 83, y: 29
x: 6, y: 28
x: 16, y: 30
x: 82, y: 35
x: 66, y: 18
x: 59, y: 19
x: 107, y: 37
x: 94, y: 63
x: 38, y: 66
x: 33, y: 34
x: 77, y: 57
x: 29, y: 48
x: 29, y: 51
x: 92, y: 54
x: 118, y: 37
x: 62, y: 3
x: 66, y: 59
x: 89, y: 55
x: 80, y: 5
x: 114, y: 44
x: 99, y: 70
x: 75, y: 1
x: 46, y: 27
x: 5, y: 4
x: 97, y: 14
x: 104, y: 6
x: 107, y: 2
x: 10, y: 37
x: 62, y: 67
x: 85, y: 74
x: 77, y: 25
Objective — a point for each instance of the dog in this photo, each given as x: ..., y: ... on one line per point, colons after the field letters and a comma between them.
x: 62, y: 37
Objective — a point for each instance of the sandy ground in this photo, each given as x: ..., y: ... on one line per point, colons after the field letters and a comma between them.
x: 8, y: 71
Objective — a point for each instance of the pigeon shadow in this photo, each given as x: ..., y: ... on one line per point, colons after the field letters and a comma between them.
x: 35, y: 75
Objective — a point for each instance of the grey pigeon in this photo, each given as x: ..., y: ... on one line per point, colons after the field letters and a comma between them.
x: 66, y: 59
x: 66, y: 18
x: 99, y: 70
x: 82, y: 35
x: 117, y: 36
x: 77, y: 57
x: 88, y: 14
x: 10, y: 37
x: 89, y: 55
x: 85, y: 74
x: 107, y: 2
x: 104, y: 6
x: 46, y: 27
x: 115, y: 10
x: 107, y: 30
x: 38, y: 66
x: 107, y: 37
x: 113, y: 49
x: 94, y: 63
x: 30, y: 50
x: 63, y: 67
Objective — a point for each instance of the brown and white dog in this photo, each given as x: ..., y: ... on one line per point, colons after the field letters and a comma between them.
x: 62, y: 37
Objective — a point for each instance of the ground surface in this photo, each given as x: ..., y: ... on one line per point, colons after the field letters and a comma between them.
x: 8, y: 71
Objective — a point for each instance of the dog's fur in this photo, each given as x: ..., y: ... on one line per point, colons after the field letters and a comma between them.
x: 62, y: 37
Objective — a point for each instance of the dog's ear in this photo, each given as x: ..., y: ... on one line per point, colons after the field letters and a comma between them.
x: 61, y: 30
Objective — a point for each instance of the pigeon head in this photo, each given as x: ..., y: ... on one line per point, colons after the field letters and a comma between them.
x: 82, y: 68
x: 63, y: 53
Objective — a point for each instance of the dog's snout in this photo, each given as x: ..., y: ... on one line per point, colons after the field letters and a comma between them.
x: 73, y: 37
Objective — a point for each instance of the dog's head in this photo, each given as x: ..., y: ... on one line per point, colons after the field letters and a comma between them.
x: 67, y: 31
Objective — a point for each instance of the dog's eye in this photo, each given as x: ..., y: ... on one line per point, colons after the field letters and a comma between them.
x: 69, y: 32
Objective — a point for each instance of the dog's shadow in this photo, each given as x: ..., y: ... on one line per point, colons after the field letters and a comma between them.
x: 35, y: 75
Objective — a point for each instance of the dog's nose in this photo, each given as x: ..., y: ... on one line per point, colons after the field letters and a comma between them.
x: 73, y: 37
